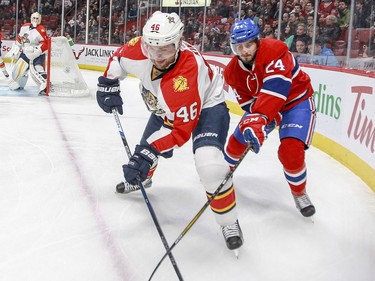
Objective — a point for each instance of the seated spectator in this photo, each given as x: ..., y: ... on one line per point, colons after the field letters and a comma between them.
x: 301, y: 51
x: 361, y: 15
x: 339, y: 48
x: 300, y: 34
x: 267, y: 30
x: 322, y: 54
x: 309, y: 9
x: 301, y: 46
x: 133, y: 12
x: 298, y: 10
x: 324, y: 9
x: 309, y: 21
x: 330, y: 31
x: 344, y: 15
x: 288, y: 36
x: 293, y: 21
x: 369, y: 50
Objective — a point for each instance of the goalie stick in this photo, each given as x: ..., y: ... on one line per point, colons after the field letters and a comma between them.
x: 201, y: 211
x: 148, y: 203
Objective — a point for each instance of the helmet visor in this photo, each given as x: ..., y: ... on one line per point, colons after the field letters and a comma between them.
x: 158, y: 53
x: 240, y: 48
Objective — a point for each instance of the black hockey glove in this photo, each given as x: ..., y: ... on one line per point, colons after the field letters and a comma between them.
x: 108, y: 94
x: 140, y: 163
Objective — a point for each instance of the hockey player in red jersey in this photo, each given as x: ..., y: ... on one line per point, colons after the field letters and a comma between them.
x: 185, y: 97
x: 2, y: 64
x: 273, y: 90
x: 32, y: 43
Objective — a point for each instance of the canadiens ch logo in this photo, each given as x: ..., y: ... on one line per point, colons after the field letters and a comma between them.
x: 133, y: 41
x: 180, y: 84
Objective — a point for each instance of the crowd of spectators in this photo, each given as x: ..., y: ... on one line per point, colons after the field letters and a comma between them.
x: 210, y: 32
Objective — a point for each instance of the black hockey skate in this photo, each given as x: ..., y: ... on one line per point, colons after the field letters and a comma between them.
x: 233, y: 236
x: 304, y: 205
x: 125, y: 187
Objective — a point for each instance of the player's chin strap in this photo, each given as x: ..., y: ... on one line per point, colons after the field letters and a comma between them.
x: 208, y: 202
x: 149, y: 206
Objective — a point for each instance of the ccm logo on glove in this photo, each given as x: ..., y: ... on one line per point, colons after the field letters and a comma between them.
x: 252, y: 126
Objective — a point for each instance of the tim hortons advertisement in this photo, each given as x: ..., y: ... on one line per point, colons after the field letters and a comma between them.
x: 346, y: 110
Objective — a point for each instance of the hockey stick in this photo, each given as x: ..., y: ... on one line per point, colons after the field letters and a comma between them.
x: 148, y: 203
x: 201, y: 211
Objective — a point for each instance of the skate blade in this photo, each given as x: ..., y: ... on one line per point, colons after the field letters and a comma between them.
x: 311, y: 219
x: 236, y: 252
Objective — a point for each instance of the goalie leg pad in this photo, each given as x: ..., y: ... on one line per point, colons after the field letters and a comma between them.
x: 39, y: 76
x: 19, y: 75
x: 22, y: 81
x: 212, y: 170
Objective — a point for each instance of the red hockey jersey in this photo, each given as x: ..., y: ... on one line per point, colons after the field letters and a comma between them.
x: 275, y: 83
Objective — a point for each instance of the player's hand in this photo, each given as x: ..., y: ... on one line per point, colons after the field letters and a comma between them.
x: 140, y: 163
x: 252, y: 126
x: 32, y: 52
x: 108, y: 94
x: 273, y: 124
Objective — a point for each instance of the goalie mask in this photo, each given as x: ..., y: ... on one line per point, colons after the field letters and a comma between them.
x: 36, y: 19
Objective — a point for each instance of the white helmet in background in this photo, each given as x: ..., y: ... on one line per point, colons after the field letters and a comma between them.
x: 163, y: 29
x: 36, y: 19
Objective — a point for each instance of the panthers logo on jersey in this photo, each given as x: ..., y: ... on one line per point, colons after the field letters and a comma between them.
x: 180, y: 84
x: 134, y: 41
x: 151, y: 101
x: 25, y: 39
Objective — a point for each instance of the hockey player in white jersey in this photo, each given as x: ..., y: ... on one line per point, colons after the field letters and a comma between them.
x: 30, y: 48
x: 186, y: 100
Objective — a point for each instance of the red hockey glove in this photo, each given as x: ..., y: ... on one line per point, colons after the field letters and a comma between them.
x: 252, y: 126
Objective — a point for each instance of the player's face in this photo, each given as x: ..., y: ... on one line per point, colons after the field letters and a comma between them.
x: 162, y: 57
x: 246, y: 51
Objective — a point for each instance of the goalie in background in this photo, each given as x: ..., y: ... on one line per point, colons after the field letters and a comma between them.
x: 32, y: 43
x: 2, y: 64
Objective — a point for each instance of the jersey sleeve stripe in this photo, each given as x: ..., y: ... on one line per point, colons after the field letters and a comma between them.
x: 275, y: 94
